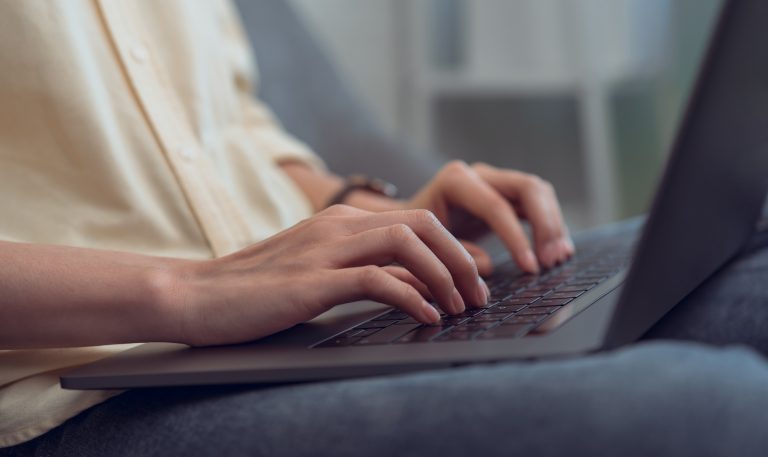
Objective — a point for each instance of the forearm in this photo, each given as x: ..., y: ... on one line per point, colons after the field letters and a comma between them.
x: 54, y: 296
x: 320, y: 187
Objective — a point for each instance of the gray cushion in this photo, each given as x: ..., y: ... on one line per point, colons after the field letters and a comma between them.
x: 311, y: 99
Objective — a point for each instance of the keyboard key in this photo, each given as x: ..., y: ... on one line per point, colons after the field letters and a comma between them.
x: 505, y: 331
x: 469, y: 312
x: 408, y: 320
x: 530, y: 319
x: 571, y: 289
x: 392, y: 316
x: 548, y: 282
x: 422, y: 334
x: 527, y: 294
x: 552, y: 302
x: 591, y: 278
x: 519, y: 300
x: 566, y: 294
x: 396, y: 314
x: 538, y: 292
x: 387, y: 335
x: 474, y: 327
x: 504, y: 309
x: 584, y: 284
x: 524, y: 281
x: 487, y: 318
x: 453, y: 320
x: 539, y: 310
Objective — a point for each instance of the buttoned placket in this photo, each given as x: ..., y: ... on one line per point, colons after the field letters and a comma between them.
x: 219, y: 219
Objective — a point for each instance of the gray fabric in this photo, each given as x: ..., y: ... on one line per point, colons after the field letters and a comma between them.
x: 313, y: 102
x: 655, y: 399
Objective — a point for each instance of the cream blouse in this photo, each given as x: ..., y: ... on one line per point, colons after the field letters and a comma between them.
x: 128, y: 125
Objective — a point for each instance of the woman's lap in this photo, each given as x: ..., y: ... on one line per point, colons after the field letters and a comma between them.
x: 652, y: 399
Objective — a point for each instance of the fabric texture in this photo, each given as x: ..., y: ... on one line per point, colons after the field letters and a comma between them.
x: 655, y: 399
x: 129, y: 126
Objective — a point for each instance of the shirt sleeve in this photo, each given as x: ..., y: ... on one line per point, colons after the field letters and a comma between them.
x: 273, y: 139
x: 261, y: 123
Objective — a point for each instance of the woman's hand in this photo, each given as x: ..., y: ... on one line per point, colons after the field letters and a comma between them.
x: 340, y: 255
x: 466, y: 197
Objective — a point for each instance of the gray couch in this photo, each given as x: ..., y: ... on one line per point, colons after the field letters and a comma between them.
x: 312, y: 100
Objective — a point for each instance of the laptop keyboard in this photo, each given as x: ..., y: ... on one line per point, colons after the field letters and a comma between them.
x: 518, y: 303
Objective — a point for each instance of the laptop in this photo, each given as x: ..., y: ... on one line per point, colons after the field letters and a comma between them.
x: 617, y: 286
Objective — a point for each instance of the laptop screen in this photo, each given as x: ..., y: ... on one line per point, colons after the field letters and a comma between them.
x: 715, y: 179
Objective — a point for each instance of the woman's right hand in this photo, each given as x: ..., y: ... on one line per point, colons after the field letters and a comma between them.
x: 340, y: 255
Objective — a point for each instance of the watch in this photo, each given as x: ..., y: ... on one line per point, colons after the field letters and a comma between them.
x: 362, y: 182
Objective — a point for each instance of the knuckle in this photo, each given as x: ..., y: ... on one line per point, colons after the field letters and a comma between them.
x: 444, y: 277
x: 369, y: 277
x: 425, y: 217
x: 322, y: 224
x: 480, y: 166
x: 535, y: 183
x: 400, y: 233
x: 471, y: 263
x: 336, y: 209
x: 498, y: 206
x: 408, y: 293
x: 456, y: 167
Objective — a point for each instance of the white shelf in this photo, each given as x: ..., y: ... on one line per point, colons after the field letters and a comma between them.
x: 526, y: 48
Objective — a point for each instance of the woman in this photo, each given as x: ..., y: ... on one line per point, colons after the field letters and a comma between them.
x: 149, y: 197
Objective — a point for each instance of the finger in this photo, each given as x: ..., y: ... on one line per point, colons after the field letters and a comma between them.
x: 398, y: 244
x: 467, y: 190
x: 439, y: 240
x: 482, y: 259
x: 407, y: 277
x: 373, y: 283
x: 536, y: 199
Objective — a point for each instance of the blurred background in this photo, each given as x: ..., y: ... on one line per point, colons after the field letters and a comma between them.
x: 585, y: 93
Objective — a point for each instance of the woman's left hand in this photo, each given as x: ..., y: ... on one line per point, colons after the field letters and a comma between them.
x: 465, y: 198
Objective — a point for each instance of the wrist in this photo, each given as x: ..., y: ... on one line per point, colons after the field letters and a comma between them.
x: 171, y: 308
x: 372, y: 194
x: 372, y: 202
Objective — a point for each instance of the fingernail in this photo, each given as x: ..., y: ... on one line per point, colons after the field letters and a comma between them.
x: 457, y: 303
x: 565, y: 250
x: 531, y: 264
x: 569, y: 244
x: 430, y: 313
x: 483, y: 292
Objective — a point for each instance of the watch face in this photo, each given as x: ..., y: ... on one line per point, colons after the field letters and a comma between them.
x: 383, y: 187
x: 361, y: 182
x: 376, y: 185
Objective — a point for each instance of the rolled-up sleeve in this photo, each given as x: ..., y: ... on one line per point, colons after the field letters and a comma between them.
x: 272, y: 138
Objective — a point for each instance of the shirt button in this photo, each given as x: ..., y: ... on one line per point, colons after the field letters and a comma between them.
x: 186, y: 153
x: 139, y: 53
